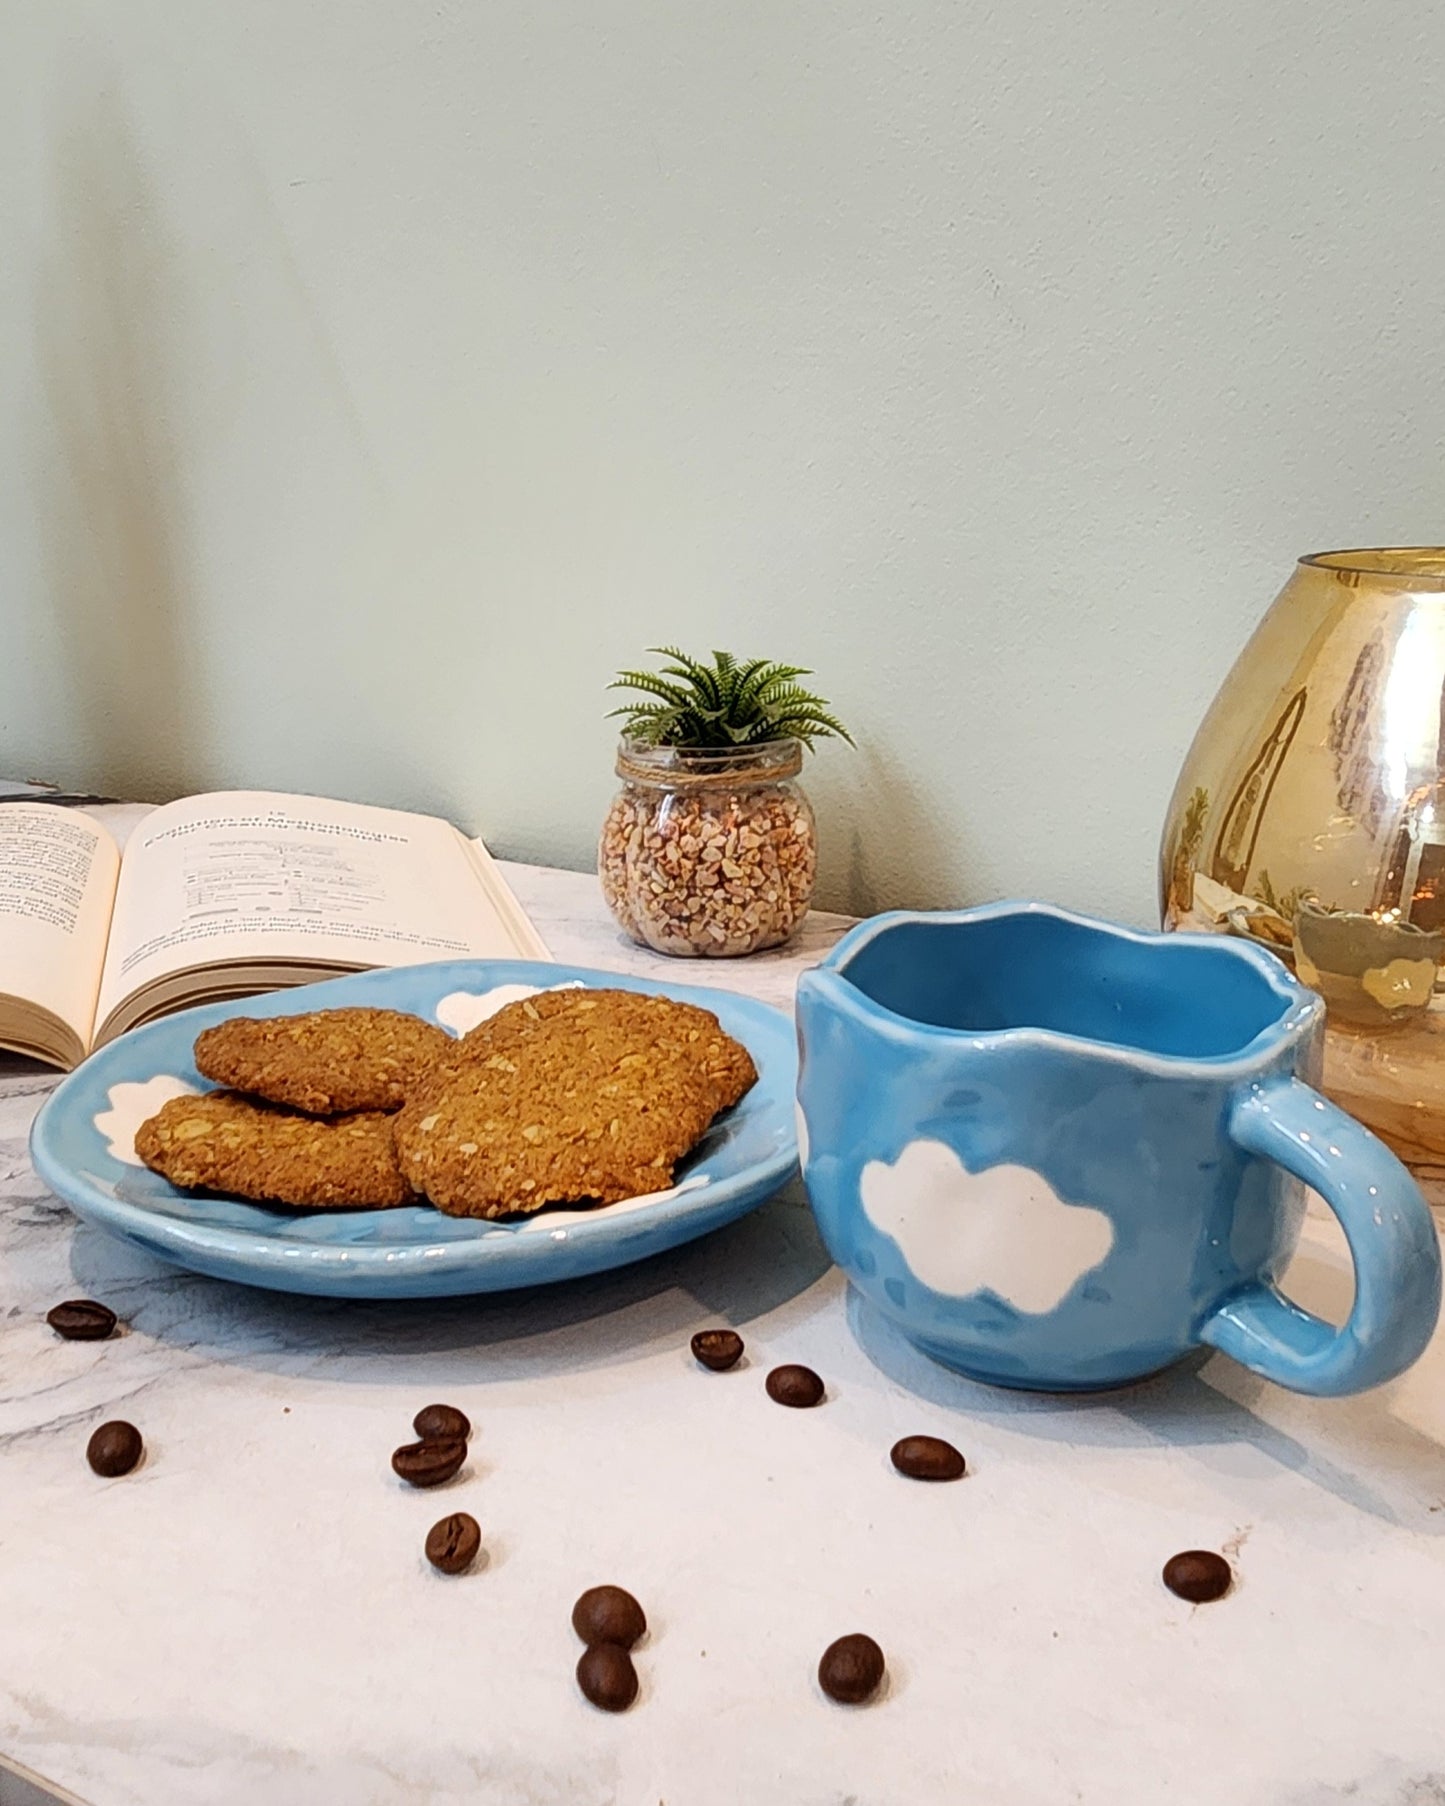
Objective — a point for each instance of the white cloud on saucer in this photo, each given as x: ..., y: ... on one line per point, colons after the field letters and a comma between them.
x: 1004, y: 1230
x: 130, y: 1104
x: 549, y: 1221
x: 461, y: 1011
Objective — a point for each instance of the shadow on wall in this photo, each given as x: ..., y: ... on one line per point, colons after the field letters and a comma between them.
x: 879, y: 838
x: 109, y: 508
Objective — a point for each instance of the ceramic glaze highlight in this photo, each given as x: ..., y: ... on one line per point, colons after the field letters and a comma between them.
x: 1061, y: 1154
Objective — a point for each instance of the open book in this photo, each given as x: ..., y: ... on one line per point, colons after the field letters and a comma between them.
x: 223, y: 896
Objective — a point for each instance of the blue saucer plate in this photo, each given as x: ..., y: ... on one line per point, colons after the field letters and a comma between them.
x: 83, y: 1148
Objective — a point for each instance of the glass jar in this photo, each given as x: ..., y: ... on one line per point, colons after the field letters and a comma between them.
x: 709, y: 853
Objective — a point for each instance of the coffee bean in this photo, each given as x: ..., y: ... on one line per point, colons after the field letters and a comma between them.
x: 718, y: 1349
x: 429, y: 1463
x: 441, y: 1423
x: 608, y: 1615
x: 114, y: 1449
x: 606, y: 1675
x: 796, y: 1386
x: 81, y: 1320
x: 851, y: 1669
x: 452, y: 1542
x: 927, y: 1458
x: 1198, y: 1575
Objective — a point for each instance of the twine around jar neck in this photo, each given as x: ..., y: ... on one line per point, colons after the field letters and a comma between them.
x: 706, y: 767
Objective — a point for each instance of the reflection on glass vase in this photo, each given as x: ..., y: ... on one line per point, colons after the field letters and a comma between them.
x: 1310, y: 817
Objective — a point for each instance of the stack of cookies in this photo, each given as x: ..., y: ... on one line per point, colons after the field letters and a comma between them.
x: 573, y: 1096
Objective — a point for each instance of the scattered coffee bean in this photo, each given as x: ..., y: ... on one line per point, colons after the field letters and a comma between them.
x: 606, y: 1676
x: 608, y: 1615
x: 1198, y: 1575
x: 927, y: 1458
x: 81, y: 1320
x: 452, y: 1542
x: 429, y: 1463
x: 114, y: 1449
x: 718, y: 1349
x: 796, y: 1386
x: 851, y: 1669
x: 441, y: 1423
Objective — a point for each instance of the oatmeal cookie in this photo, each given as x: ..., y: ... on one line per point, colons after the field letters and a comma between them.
x: 224, y: 1142
x: 327, y: 1062
x: 654, y: 1022
x: 553, y: 1109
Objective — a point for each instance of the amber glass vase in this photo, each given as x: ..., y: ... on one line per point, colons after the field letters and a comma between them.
x: 1310, y: 817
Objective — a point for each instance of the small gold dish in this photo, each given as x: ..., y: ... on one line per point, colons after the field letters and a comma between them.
x: 1372, y: 969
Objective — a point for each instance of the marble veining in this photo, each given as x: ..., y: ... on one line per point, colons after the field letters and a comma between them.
x: 249, y: 1615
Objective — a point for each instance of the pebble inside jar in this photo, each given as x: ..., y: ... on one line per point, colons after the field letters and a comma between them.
x: 709, y: 853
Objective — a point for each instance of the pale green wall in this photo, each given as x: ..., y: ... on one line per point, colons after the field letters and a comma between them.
x: 379, y: 374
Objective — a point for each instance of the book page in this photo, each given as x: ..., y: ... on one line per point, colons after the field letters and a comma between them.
x: 57, y: 880
x: 256, y: 877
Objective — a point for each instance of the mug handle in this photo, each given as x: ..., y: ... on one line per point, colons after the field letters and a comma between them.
x: 1392, y: 1239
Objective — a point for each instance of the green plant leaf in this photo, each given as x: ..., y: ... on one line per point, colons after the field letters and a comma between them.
x: 730, y: 702
x: 690, y: 671
x: 652, y: 685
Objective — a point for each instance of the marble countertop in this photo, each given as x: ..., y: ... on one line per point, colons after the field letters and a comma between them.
x: 249, y: 1615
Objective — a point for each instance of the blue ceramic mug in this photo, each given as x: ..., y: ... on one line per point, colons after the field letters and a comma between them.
x: 1061, y: 1154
